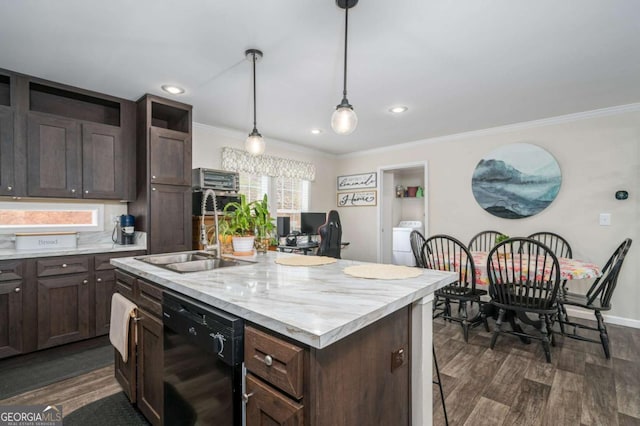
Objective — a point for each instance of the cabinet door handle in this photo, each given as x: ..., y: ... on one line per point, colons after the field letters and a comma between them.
x: 86, y: 191
x: 99, y: 280
x: 268, y: 360
x: 9, y: 188
x: 153, y: 189
x: 153, y: 177
x: 73, y: 191
x: 85, y: 281
x: 246, y: 396
x: 64, y: 265
x: 17, y: 289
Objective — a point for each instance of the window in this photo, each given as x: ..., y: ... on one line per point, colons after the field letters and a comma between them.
x: 40, y: 217
x: 292, y: 197
x: 254, y: 186
x: 287, y: 196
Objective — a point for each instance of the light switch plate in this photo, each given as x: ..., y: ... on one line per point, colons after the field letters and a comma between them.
x: 605, y: 219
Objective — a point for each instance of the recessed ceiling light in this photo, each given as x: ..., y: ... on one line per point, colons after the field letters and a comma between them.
x: 316, y: 131
x: 174, y: 90
x: 398, y: 109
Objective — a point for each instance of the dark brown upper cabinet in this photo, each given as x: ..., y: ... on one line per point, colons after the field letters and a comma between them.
x: 94, y: 134
x: 7, y: 180
x: 163, y: 204
x: 7, y: 136
x: 64, y: 142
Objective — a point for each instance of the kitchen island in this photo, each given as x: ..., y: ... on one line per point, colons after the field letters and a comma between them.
x: 321, y: 308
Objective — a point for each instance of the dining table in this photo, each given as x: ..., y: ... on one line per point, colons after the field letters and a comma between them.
x: 570, y: 269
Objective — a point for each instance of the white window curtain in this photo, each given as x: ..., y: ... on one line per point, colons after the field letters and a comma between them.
x: 241, y: 161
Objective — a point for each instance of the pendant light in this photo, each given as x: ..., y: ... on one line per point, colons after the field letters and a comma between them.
x: 344, y: 119
x: 254, y: 143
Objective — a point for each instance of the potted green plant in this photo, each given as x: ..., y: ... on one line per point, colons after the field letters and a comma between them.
x: 500, y: 238
x: 264, y: 224
x: 242, y: 225
x: 225, y: 237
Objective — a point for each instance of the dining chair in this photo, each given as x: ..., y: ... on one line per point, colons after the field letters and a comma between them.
x: 524, y: 276
x: 483, y: 241
x: 597, y: 299
x: 445, y: 253
x: 561, y: 248
x: 417, y: 242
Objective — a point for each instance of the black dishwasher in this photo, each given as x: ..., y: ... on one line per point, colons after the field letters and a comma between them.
x: 203, y: 350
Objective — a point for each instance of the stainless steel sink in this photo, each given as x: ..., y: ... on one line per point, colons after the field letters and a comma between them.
x: 191, y: 262
x: 165, y: 259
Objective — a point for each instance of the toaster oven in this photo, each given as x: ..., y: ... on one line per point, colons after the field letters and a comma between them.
x: 218, y: 180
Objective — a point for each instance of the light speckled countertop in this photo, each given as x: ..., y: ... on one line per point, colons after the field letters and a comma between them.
x: 316, y: 305
x: 87, y: 244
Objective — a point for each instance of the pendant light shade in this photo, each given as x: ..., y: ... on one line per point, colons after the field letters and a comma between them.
x: 254, y: 144
x: 344, y: 119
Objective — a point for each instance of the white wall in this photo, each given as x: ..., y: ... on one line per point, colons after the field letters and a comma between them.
x: 207, y: 147
x: 598, y: 153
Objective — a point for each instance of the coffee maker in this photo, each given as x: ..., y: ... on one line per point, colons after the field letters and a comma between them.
x: 123, y: 232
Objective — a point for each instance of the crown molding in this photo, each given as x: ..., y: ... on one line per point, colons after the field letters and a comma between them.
x: 603, y: 112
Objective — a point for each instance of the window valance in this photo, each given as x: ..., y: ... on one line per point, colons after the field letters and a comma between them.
x: 241, y: 161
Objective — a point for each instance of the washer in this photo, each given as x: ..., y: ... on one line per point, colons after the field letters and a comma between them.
x: 402, y: 254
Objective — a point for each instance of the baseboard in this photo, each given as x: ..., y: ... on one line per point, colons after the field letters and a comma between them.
x: 609, y: 319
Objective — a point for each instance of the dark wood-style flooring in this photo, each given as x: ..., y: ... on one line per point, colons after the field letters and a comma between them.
x: 513, y: 385
x: 510, y: 385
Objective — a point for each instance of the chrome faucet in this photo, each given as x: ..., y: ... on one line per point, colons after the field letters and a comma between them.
x: 203, y: 229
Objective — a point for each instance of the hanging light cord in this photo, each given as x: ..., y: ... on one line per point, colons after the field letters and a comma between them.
x: 254, y: 92
x: 346, y: 32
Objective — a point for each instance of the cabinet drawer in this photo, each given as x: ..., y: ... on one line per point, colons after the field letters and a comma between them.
x: 150, y: 297
x: 62, y: 265
x: 268, y: 406
x: 125, y: 285
x: 10, y: 270
x: 276, y: 361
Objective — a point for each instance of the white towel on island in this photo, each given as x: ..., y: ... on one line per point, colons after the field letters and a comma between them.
x: 122, y: 310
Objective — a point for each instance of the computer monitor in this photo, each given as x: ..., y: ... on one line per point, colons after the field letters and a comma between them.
x: 310, y: 222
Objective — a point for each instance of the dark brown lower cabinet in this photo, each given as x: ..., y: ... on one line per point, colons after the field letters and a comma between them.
x: 51, y: 301
x: 363, y: 379
x: 10, y: 318
x: 141, y: 376
x: 266, y: 406
x: 62, y: 309
x: 149, y: 369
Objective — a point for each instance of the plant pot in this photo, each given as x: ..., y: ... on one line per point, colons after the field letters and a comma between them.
x: 412, y: 190
x: 262, y: 245
x: 226, y: 244
x: 243, y: 246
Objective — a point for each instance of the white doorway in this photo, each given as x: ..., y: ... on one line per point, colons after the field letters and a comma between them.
x: 393, y: 208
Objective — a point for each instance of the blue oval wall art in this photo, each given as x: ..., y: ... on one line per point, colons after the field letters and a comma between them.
x: 516, y: 181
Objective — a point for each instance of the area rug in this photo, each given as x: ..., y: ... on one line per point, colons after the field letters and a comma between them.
x: 112, y: 410
x: 50, y: 367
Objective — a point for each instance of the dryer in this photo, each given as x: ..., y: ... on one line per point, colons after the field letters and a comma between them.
x: 402, y: 254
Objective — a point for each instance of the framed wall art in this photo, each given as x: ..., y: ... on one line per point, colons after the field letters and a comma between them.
x: 359, y: 181
x: 516, y: 181
x: 357, y: 198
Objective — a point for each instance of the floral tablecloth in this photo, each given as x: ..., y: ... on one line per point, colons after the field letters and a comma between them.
x: 570, y: 269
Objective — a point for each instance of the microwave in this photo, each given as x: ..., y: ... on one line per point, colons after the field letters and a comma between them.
x: 218, y: 180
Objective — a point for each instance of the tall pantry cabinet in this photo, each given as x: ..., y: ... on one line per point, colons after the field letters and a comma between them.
x: 163, y: 204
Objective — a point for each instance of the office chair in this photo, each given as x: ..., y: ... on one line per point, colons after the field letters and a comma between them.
x: 330, y: 236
